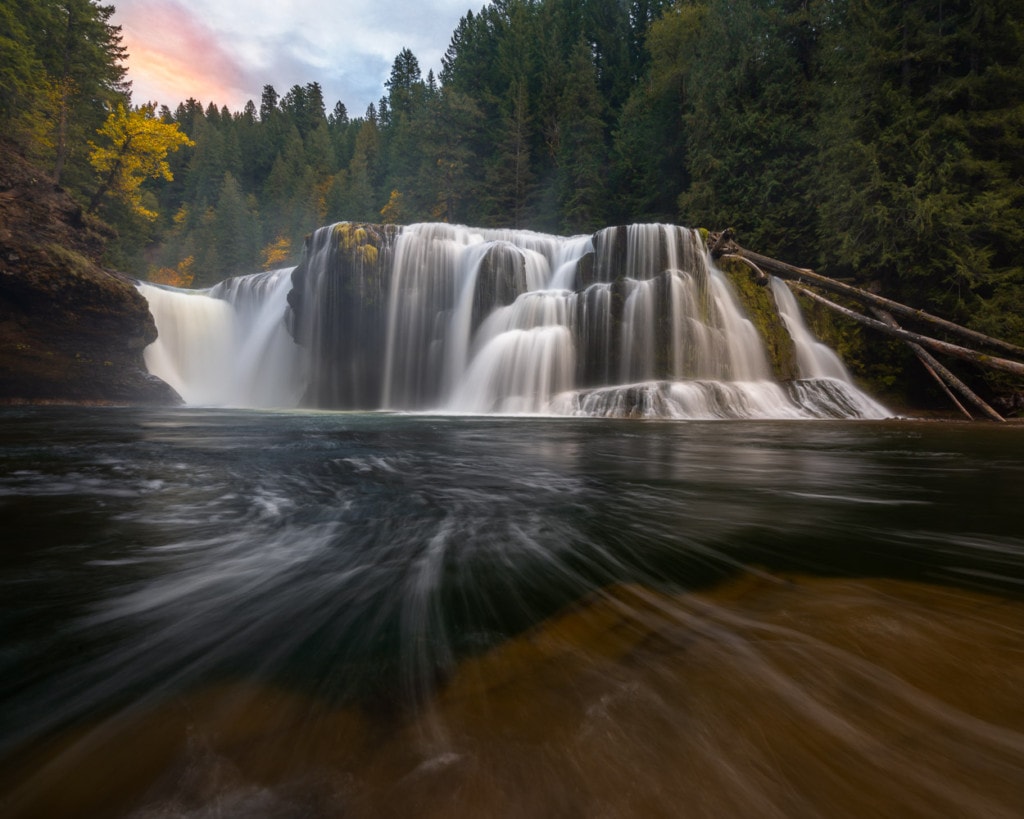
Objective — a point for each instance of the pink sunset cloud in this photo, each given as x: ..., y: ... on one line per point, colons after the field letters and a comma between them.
x: 173, y: 55
x: 225, y: 51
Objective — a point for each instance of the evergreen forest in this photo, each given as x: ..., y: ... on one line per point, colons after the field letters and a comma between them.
x: 881, y: 141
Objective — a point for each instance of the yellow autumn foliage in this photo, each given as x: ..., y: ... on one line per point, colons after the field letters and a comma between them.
x: 368, y: 254
x: 181, y: 276
x: 277, y: 253
x: 134, y: 148
x: 343, y: 230
x: 358, y: 241
x: 394, y: 211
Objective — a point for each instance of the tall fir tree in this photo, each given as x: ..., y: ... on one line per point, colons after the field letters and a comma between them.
x: 510, y: 175
x: 582, y: 163
x: 649, y: 169
x: 83, y: 56
x: 922, y: 155
x: 751, y: 120
x: 447, y: 170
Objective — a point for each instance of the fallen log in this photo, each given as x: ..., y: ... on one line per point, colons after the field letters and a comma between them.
x: 759, y: 276
x: 722, y: 244
x: 946, y: 379
x: 953, y: 350
x: 945, y: 387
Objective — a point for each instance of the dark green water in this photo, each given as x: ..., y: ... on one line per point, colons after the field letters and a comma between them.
x: 356, y: 562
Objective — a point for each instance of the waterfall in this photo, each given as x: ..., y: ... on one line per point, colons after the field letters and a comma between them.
x: 195, y: 347
x: 633, y: 321
x: 228, y: 345
x: 268, y: 366
x: 814, y: 359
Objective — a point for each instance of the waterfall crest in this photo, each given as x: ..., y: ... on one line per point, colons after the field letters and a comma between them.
x: 632, y: 321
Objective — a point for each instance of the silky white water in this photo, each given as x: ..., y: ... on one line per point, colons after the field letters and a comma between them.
x: 227, y: 346
x: 815, y: 360
x: 632, y: 321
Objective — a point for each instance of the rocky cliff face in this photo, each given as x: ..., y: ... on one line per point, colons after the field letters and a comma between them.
x: 70, y: 331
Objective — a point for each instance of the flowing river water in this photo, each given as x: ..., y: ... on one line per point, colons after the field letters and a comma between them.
x: 240, y: 613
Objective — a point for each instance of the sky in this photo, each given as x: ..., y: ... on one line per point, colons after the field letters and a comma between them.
x: 225, y: 51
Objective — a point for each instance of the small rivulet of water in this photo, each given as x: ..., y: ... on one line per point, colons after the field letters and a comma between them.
x: 632, y: 321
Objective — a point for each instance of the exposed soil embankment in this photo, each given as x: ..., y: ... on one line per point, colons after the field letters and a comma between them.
x: 70, y: 331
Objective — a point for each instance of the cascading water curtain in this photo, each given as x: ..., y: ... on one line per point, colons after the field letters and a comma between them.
x: 632, y: 321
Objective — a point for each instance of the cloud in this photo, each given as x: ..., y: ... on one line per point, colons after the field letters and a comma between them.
x: 225, y: 51
x: 173, y: 55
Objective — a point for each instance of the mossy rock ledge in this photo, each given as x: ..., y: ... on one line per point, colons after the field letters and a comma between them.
x: 70, y: 331
x: 759, y: 304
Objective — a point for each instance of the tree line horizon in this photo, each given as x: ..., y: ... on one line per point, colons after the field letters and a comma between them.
x: 877, y: 140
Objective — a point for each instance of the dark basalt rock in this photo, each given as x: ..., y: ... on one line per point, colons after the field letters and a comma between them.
x: 339, y: 307
x: 70, y: 331
x: 501, y: 279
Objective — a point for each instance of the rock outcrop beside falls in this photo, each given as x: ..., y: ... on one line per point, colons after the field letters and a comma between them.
x: 344, y: 274
x: 70, y: 331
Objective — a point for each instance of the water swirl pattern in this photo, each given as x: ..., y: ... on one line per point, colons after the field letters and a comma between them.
x: 267, y: 615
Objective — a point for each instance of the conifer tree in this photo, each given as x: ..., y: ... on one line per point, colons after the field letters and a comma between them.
x: 650, y: 156
x: 402, y: 138
x: 23, y: 91
x: 339, y: 116
x: 353, y: 195
x: 510, y: 177
x: 82, y: 54
x: 923, y: 155
x: 207, y: 164
x: 581, y: 151
x: 752, y: 113
x: 451, y: 127
x: 404, y: 84
x: 235, y: 232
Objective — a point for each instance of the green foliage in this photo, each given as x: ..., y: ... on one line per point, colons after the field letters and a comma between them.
x: 60, y: 71
x: 509, y: 175
x: 235, y: 234
x: 22, y: 91
x: 923, y: 162
x: 760, y: 306
x: 405, y: 85
x: 751, y: 120
x: 450, y: 134
x: 650, y: 143
x: 582, y: 166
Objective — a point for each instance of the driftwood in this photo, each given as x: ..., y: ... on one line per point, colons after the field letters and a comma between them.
x: 724, y: 244
x: 945, y: 379
x: 945, y: 347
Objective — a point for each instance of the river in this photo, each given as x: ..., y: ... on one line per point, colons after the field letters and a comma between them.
x: 280, y: 614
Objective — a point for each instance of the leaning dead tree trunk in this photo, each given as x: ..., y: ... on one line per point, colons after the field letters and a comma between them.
x: 945, y: 379
x: 723, y: 245
x: 945, y: 347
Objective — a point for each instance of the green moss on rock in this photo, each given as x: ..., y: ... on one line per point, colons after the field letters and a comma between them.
x: 760, y: 307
